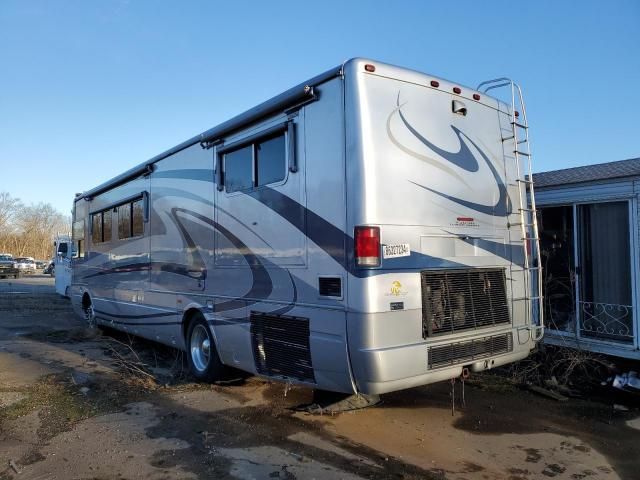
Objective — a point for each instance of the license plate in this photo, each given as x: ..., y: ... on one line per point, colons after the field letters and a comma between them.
x: 395, y: 251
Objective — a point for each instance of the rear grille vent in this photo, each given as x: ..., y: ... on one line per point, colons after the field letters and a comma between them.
x: 463, y: 352
x: 330, y: 286
x: 281, y: 346
x: 455, y: 300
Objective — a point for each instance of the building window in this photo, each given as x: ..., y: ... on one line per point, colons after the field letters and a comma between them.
x: 261, y: 162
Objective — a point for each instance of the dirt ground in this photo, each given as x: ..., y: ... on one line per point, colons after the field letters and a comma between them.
x: 76, y: 403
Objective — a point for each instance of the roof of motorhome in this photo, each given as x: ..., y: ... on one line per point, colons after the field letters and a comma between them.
x: 254, y: 114
x: 588, y: 173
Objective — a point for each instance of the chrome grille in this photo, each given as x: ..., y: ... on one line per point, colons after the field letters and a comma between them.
x: 281, y: 346
x: 454, y: 300
x: 469, y: 351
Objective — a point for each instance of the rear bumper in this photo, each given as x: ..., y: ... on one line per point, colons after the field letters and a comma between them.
x: 379, y: 368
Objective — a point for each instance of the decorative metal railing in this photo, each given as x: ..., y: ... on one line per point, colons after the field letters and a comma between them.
x: 607, y: 321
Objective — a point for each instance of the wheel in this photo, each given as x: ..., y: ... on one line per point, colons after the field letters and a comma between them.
x: 17, y: 275
x: 202, y: 356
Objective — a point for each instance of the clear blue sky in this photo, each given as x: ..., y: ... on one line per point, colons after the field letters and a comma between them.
x: 89, y: 89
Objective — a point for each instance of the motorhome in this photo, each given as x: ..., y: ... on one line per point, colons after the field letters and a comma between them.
x: 363, y: 232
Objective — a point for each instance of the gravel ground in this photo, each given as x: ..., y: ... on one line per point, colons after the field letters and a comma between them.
x: 79, y: 403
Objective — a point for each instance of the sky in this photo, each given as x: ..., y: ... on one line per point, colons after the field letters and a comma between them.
x: 90, y: 89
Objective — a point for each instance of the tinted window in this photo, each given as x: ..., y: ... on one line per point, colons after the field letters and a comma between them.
x: 124, y: 221
x: 96, y: 228
x: 138, y: 218
x: 238, y: 169
x: 271, y: 160
x: 106, y: 226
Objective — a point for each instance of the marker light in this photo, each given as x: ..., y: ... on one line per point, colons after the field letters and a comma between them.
x: 435, y: 83
x: 367, y: 246
x: 476, y: 96
x: 370, y: 68
x: 517, y: 113
x: 457, y: 90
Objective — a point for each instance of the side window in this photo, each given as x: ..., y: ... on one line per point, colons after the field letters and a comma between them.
x: 260, y: 162
x: 79, y: 253
x: 96, y: 227
x: 78, y: 237
x: 271, y: 160
x: 238, y: 169
x: 124, y: 221
x: 106, y: 226
x: 137, y: 219
x: 101, y: 227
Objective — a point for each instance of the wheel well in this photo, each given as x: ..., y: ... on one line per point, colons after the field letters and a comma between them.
x: 86, y: 301
x: 188, y: 316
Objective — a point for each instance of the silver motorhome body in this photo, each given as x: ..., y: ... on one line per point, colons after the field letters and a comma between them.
x: 253, y: 226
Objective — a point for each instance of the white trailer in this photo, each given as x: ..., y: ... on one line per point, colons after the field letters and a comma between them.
x: 365, y: 231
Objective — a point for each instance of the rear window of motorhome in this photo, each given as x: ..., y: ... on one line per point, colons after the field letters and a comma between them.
x: 259, y: 163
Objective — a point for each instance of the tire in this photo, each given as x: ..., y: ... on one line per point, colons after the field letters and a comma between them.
x: 202, y: 356
x: 17, y: 275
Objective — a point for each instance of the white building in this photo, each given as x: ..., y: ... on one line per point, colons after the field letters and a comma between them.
x: 589, y: 238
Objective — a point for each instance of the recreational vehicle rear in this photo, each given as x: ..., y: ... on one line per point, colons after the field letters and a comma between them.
x: 365, y: 231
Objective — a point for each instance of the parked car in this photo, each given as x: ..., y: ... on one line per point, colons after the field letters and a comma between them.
x: 8, y: 266
x: 50, y: 269
x: 26, y: 264
x: 41, y: 265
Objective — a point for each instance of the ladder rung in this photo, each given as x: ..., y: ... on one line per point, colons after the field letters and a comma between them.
x: 522, y: 141
x: 530, y: 238
x: 508, y: 138
x: 530, y: 182
x: 526, y: 210
x: 525, y: 154
x: 525, y: 298
x: 521, y: 125
x: 519, y: 224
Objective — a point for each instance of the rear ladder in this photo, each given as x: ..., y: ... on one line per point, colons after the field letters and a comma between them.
x: 528, y: 214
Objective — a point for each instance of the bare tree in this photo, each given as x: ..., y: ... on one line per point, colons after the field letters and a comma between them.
x: 29, y: 230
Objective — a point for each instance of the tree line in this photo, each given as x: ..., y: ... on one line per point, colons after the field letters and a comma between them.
x: 28, y: 230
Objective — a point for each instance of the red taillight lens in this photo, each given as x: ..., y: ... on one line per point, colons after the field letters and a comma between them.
x: 367, y: 246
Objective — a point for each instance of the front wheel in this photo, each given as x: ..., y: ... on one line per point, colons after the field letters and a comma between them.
x: 202, y: 356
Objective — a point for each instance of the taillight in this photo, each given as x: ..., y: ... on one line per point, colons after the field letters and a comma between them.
x: 367, y: 246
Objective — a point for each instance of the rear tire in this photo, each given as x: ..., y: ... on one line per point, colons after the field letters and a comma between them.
x: 202, y: 356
